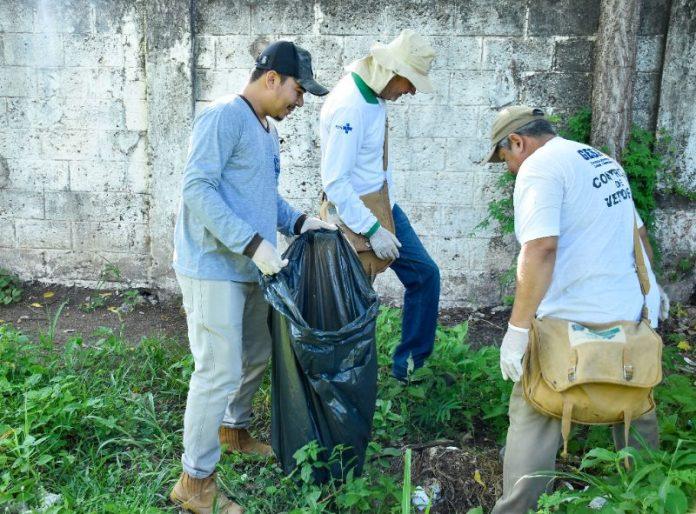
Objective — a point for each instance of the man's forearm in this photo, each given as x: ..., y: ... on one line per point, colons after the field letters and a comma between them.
x: 534, y: 272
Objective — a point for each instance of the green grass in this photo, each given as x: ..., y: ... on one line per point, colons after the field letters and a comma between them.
x: 98, y: 422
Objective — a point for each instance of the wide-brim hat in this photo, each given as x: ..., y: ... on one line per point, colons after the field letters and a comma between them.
x: 409, y: 56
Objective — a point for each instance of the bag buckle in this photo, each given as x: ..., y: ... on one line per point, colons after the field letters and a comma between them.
x: 628, y: 372
x: 571, y: 374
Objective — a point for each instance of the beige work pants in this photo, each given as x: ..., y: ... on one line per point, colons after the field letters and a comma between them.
x: 231, y: 344
x: 533, y: 440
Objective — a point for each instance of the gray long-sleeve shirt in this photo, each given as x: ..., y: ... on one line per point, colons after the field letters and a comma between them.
x: 229, y: 193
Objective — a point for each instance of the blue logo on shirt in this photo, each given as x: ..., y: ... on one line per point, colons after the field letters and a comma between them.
x: 276, y: 165
x: 345, y: 128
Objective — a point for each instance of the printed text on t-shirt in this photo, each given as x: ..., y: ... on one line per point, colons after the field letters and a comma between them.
x: 615, y: 176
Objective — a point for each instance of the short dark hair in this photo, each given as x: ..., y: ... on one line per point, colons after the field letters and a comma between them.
x: 536, y: 128
x: 257, y: 73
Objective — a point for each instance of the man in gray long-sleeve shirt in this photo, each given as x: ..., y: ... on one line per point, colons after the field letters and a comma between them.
x: 225, y: 230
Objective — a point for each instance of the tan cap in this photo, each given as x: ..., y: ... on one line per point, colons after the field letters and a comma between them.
x: 410, y: 56
x: 508, y: 121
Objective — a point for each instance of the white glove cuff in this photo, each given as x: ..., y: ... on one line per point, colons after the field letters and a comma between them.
x: 518, y: 329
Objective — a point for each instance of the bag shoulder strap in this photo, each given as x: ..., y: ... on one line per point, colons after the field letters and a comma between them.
x: 641, y: 269
x: 385, y: 144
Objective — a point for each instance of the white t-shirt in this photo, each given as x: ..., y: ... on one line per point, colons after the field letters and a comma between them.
x: 352, y: 139
x: 577, y: 193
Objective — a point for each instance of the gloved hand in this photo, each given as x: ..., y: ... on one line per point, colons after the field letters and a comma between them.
x: 267, y: 259
x: 385, y: 244
x: 664, y: 303
x: 512, y: 350
x: 315, y: 224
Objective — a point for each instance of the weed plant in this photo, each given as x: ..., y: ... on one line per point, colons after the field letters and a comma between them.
x: 460, y: 391
x: 10, y: 288
x: 661, y: 482
x: 98, y: 423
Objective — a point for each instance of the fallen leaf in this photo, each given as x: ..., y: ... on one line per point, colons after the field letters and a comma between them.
x: 49, y: 294
x: 477, y: 478
x: 683, y: 345
x: 37, y: 305
x: 105, y: 295
x: 113, y: 309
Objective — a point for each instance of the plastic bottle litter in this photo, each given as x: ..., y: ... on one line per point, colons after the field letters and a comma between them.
x: 597, y: 503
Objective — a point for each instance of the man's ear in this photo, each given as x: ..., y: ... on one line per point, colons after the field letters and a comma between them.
x: 516, y: 141
x: 272, y: 79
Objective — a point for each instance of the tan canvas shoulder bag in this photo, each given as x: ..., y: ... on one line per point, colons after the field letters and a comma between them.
x: 378, y: 203
x: 594, y: 374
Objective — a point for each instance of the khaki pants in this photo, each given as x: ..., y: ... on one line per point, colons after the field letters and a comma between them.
x: 231, y: 344
x: 531, y: 446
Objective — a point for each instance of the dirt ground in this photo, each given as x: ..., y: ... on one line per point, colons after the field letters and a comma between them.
x: 145, y: 314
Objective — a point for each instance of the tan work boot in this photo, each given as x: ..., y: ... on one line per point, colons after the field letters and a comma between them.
x: 202, y: 496
x: 239, y: 440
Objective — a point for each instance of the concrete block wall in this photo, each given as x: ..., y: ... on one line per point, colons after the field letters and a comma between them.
x: 74, y: 192
x: 97, y: 98
x: 676, y: 223
x: 490, y: 54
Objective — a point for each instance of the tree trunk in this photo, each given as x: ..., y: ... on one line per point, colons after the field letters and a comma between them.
x: 614, y: 74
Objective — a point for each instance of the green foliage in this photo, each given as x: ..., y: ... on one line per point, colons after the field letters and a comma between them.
x: 10, y: 288
x: 501, y: 210
x: 109, y: 273
x: 642, y: 165
x: 406, y: 491
x: 99, y: 420
x: 657, y: 482
x: 460, y: 389
x: 578, y: 126
x: 81, y: 420
x: 676, y: 407
x: 683, y: 268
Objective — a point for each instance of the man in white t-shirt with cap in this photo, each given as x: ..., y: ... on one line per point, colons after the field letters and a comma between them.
x: 354, y: 163
x: 574, y: 217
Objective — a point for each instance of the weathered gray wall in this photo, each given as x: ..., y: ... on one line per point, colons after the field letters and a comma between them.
x: 74, y: 165
x: 97, y: 97
x: 677, y: 116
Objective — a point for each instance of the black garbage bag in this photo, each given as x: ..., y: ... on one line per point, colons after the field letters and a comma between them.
x: 324, y: 371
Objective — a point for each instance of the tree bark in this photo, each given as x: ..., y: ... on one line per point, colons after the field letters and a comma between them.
x: 614, y: 74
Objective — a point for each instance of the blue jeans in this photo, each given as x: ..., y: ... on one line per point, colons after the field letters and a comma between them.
x: 421, y: 277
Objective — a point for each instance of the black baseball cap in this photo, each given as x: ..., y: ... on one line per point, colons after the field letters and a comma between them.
x: 289, y: 59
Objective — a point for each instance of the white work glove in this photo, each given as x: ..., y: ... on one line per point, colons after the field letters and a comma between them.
x: 267, y: 259
x: 385, y: 244
x: 664, y: 303
x: 315, y: 224
x: 512, y: 350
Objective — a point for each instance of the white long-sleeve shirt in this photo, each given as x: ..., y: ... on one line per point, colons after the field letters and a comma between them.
x: 352, y: 124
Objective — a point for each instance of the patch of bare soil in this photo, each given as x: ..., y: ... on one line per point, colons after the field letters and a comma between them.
x: 486, y: 325
x: 453, y: 480
x: 138, y: 313
x: 78, y: 312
